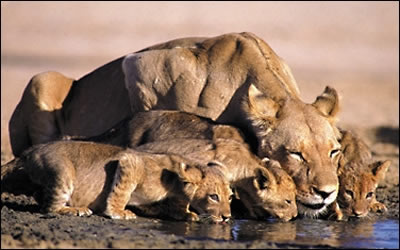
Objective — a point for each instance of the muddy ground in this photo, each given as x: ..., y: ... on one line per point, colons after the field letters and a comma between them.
x: 353, y: 47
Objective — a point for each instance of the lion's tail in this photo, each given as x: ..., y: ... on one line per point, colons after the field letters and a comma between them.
x: 14, y: 178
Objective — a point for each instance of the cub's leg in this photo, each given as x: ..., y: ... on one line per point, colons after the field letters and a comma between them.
x: 175, y: 208
x: 336, y: 212
x: 125, y: 181
x: 57, y: 180
x: 179, y: 210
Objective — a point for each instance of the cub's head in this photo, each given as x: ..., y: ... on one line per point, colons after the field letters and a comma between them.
x: 304, y: 140
x: 213, y: 196
x: 273, y: 192
x: 262, y: 186
x: 357, y: 187
x: 358, y: 177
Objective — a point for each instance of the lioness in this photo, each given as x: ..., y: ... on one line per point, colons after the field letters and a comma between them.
x: 359, y: 176
x: 233, y: 79
x: 83, y: 177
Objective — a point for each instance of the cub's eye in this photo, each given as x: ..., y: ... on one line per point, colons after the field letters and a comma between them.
x: 369, y: 195
x: 334, y: 153
x: 214, y: 197
x: 297, y: 155
x: 288, y: 201
x: 350, y: 193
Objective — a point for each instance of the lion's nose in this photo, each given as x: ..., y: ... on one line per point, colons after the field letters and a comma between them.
x: 226, y: 217
x: 323, y: 193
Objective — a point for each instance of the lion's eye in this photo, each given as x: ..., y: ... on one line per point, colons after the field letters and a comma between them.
x: 214, y: 197
x: 369, y: 195
x: 350, y: 193
x: 334, y: 153
x: 288, y: 201
x: 297, y: 155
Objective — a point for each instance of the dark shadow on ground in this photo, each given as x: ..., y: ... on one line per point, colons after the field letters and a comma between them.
x: 32, y: 208
x: 387, y: 135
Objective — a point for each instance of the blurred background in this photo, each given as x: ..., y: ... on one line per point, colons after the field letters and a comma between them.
x: 352, y: 46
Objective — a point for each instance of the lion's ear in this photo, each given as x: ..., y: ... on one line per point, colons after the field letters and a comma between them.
x: 261, y: 106
x: 328, y: 103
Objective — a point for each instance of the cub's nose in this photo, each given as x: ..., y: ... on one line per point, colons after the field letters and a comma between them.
x: 226, y: 217
x: 359, y: 213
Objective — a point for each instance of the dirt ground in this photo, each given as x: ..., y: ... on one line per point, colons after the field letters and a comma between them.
x: 351, y: 46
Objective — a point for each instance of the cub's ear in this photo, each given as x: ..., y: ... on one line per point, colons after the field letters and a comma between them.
x: 171, y: 180
x: 380, y: 168
x: 185, y: 179
x: 260, y: 106
x: 190, y: 173
x: 262, y: 179
x: 235, y: 193
x: 328, y: 103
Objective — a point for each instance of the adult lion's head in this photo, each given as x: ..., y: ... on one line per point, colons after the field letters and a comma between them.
x: 303, y: 138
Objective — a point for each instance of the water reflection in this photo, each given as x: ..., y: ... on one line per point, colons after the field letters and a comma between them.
x: 351, y: 234
x: 198, y: 230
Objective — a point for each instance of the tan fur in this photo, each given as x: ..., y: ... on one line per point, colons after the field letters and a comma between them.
x: 303, y: 139
x: 359, y: 177
x: 162, y: 125
x: 83, y: 177
x: 33, y: 120
x: 264, y: 187
x: 234, y: 78
x: 157, y: 126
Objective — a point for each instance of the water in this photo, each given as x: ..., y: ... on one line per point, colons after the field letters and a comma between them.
x: 307, y: 232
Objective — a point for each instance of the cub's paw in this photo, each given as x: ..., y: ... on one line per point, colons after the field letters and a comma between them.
x: 336, y: 216
x: 79, y: 211
x: 378, y: 207
x: 121, y: 215
x: 335, y: 212
x: 190, y: 216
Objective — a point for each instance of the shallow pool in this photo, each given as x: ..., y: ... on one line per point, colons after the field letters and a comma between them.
x: 308, y: 232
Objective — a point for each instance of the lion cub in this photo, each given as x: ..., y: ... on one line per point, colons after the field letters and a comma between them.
x: 83, y: 177
x: 263, y: 187
x: 359, y: 176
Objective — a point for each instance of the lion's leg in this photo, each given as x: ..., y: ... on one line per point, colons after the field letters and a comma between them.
x: 35, y: 120
x: 124, y: 183
x: 18, y: 131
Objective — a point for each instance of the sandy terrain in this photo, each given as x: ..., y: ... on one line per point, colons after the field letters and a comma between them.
x: 353, y: 47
